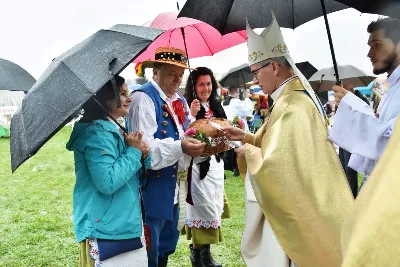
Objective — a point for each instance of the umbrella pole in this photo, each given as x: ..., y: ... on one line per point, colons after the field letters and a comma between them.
x: 244, y: 82
x: 328, y: 31
x: 106, y: 111
x: 190, y: 75
x: 184, y: 43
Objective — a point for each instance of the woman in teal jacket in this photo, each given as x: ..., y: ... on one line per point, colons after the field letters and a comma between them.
x: 108, y: 164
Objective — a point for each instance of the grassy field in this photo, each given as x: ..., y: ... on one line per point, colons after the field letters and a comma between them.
x: 36, y: 212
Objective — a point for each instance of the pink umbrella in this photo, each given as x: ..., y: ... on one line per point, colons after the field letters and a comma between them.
x: 201, y: 39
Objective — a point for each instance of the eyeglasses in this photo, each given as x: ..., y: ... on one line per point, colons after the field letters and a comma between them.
x: 255, y: 72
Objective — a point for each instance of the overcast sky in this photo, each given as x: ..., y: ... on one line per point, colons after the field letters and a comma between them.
x: 34, y: 32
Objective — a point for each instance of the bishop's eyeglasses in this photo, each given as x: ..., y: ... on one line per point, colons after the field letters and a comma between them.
x: 255, y: 72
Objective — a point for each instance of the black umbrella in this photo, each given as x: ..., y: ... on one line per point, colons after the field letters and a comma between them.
x: 230, y: 15
x: 237, y: 76
x: 389, y: 8
x: 241, y: 74
x: 13, y: 77
x: 323, y: 97
x: 306, y: 68
x: 71, y: 80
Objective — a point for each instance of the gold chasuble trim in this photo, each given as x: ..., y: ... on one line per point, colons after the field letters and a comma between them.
x: 370, y: 236
x: 298, y: 180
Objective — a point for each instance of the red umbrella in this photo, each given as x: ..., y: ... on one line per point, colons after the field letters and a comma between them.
x: 200, y: 39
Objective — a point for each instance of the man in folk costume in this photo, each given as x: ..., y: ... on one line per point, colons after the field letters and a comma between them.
x: 294, y: 170
x: 161, y: 113
x: 357, y: 129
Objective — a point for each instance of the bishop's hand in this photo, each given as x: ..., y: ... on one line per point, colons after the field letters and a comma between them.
x: 241, y: 151
x: 234, y: 133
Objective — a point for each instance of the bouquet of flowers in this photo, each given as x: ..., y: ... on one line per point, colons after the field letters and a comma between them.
x: 197, y: 134
x: 238, y: 123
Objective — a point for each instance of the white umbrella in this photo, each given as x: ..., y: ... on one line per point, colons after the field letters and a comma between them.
x: 324, y: 79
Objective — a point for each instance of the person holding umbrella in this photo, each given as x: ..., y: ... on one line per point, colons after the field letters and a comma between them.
x: 161, y: 113
x: 108, y: 163
x: 357, y: 128
x: 294, y: 170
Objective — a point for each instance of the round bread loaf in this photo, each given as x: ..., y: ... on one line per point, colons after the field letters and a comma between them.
x: 219, y: 143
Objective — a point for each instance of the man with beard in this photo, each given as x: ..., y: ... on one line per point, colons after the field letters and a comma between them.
x: 357, y: 128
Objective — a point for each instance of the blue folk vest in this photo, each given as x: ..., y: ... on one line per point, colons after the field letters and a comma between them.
x: 158, y: 186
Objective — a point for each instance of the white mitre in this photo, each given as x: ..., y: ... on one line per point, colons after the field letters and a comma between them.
x: 271, y: 44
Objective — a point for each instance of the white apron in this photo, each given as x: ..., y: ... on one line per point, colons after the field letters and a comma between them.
x: 208, y: 197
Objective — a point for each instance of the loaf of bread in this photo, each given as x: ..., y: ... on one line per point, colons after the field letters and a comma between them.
x: 218, y: 142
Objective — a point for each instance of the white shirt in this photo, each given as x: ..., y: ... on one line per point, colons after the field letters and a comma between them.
x: 242, y: 109
x: 164, y: 152
x: 358, y: 131
x: 205, y: 105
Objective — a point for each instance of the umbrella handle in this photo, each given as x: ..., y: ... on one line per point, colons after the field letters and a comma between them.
x: 244, y: 82
x: 113, y: 82
x: 328, y: 31
x: 106, y: 111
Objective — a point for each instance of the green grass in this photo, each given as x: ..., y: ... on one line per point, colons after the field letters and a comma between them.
x: 36, y: 210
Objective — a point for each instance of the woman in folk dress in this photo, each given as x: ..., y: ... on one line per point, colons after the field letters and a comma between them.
x: 203, y: 220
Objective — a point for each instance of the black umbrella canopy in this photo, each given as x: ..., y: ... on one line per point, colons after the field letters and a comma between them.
x: 241, y: 74
x: 306, y: 68
x: 389, y: 8
x: 323, y: 97
x: 13, y: 77
x: 230, y: 15
x: 237, y: 76
x: 69, y: 81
